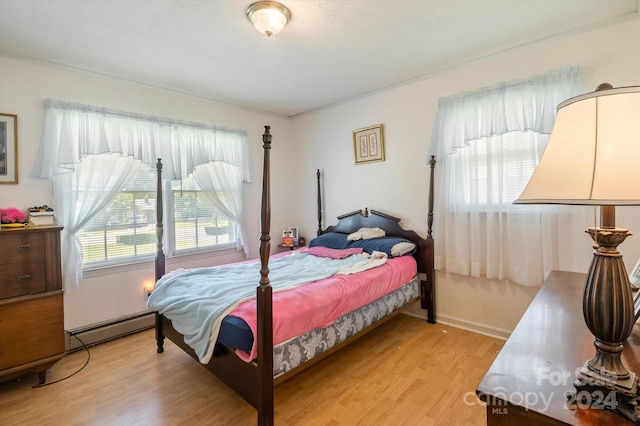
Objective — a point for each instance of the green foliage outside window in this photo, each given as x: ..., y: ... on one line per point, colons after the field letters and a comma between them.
x: 126, y: 231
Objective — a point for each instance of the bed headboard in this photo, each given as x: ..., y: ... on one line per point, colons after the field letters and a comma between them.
x: 351, y: 222
x: 424, y: 255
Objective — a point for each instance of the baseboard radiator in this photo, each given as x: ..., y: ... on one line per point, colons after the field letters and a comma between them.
x: 103, y: 332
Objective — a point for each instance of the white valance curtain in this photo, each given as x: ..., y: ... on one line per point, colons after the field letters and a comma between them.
x: 487, y: 143
x: 90, y: 153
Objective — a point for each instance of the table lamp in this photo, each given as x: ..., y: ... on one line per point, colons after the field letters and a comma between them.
x: 593, y: 158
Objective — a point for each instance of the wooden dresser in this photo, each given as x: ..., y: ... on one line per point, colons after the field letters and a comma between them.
x: 31, y: 304
x: 527, y: 382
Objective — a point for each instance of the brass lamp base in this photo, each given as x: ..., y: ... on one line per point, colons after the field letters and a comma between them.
x: 601, y: 392
x: 604, y: 382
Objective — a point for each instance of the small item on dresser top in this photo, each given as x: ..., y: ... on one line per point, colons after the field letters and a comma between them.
x: 8, y: 226
x: 38, y: 221
x: 41, y: 211
x: 41, y: 216
x: 12, y: 218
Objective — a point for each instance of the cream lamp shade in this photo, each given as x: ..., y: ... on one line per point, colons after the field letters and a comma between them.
x: 593, y: 153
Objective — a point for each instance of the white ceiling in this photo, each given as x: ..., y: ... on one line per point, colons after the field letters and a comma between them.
x: 331, y: 51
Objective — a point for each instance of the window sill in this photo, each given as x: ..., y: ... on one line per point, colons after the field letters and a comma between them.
x: 100, y: 271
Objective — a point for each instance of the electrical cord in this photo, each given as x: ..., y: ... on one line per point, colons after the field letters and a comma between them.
x: 72, y: 374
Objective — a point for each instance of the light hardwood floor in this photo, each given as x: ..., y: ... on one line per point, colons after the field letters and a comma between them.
x: 407, y: 372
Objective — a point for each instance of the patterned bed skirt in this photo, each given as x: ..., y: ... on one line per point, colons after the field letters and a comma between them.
x: 292, y: 353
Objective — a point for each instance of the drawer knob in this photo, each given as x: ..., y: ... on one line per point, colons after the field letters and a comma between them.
x: 24, y: 278
x: 23, y: 247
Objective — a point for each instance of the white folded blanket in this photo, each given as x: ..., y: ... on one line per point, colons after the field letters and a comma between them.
x: 365, y: 233
x: 377, y: 258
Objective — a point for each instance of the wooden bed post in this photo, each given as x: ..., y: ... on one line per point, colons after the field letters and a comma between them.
x: 432, y: 165
x: 160, y: 261
x: 319, y: 204
x: 264, y: 299
x: 160, y: 266
x: 429, y: 290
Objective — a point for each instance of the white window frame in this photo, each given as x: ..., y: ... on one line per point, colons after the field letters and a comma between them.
x: 170, y: 244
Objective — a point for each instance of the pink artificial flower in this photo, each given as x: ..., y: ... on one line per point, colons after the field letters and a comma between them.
x: 12, y: 215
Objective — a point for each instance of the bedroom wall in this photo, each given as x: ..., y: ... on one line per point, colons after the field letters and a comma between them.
x: 109, y: 294
x: 323, y: 140
x: 398, y: 185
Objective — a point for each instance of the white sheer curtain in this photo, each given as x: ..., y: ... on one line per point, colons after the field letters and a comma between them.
x: 90, y: 153
x: 81, y: 195
x: 223, y: 186
x: 487, y: 143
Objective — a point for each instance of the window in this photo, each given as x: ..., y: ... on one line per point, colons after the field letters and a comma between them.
x: 126, y: 230
x: 197, y: 224
x: 100, y: 162
x: 496, y: 170
x: 487, y: 144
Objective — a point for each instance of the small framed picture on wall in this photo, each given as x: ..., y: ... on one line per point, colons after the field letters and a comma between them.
x: 368, y: 144
x: 8, y: 148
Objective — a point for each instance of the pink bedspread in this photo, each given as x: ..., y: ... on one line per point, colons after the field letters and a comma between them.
x: 320, y: 303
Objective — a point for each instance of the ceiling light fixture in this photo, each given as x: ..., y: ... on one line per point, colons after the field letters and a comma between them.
x: 269, y: 17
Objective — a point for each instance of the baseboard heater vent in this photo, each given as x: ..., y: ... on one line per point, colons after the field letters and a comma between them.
x: 104, y: 332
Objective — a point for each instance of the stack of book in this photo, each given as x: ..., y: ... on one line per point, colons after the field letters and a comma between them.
x: 41, y: 216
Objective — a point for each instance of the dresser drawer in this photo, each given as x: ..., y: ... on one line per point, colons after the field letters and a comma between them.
x: 22, y: 278
x: 31, y: 303
x: 20, y: 246
x: 31, y: 345
x: 30, y: 330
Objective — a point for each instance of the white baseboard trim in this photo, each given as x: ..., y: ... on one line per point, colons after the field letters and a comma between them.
x: 469, y: 326
x: 103, y: 332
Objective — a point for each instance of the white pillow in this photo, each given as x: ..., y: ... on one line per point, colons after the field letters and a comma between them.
x: 400, y: 249
x: 365, y: 233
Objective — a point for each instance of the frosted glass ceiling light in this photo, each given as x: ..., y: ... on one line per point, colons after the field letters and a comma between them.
x: 269, y: 17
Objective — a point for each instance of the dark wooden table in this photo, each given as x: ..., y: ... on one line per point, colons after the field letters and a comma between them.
x: 539, y: 363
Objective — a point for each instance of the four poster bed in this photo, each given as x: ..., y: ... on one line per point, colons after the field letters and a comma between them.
x: 260, y: 341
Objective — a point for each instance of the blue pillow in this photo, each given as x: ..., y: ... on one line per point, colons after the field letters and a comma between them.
x: 392, y: 246
x: 334, y: 240
x: 386, y: 245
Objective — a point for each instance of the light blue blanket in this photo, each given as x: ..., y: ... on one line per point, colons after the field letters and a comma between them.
x: 196, y: 300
